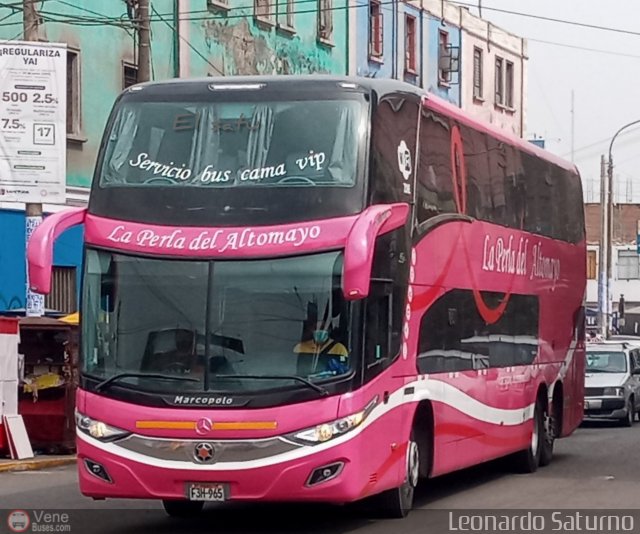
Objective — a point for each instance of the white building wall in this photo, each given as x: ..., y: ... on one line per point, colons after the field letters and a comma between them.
x: 494, y: 42
x: 629, y: 288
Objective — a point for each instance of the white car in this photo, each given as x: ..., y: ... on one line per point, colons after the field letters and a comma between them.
x: 612, y: 381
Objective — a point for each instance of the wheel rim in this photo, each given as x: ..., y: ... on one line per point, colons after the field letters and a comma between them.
x: 535, y: 434
x: 549, y: 429
x: 413, y: 464
x: 630, y: 413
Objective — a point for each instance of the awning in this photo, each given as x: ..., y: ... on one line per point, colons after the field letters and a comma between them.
x: 74, y: 318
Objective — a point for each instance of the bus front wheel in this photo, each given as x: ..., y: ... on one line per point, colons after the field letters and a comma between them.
x: 182, y: 508
x: 397, y: 502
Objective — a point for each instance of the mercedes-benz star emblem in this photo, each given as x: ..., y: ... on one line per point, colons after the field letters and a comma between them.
x: 204, y: 426
x: 203, y: 452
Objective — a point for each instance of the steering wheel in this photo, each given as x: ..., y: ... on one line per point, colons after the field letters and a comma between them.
x: 177, y: 367
x: 160, y: 179
x: 302, y: 179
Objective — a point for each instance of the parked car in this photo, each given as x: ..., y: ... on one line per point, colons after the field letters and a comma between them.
x: 612, y: 381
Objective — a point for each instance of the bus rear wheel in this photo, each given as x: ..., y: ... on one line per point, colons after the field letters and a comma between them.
x: 528, y: 460
x: 182, y: 508
x: 398, y: 502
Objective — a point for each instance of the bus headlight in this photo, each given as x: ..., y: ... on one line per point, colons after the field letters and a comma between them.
x: 333, y: 429
x: 613, y: 392
x: 99, y: 430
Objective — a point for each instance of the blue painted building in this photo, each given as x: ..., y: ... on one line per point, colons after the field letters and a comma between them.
x: 407, y: 42
x: 67, y: 259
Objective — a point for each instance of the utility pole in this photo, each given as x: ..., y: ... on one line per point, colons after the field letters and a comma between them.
x: 34, y: 303
x: 603, y: 250
x: 144, y: 41
x: 609, y: 245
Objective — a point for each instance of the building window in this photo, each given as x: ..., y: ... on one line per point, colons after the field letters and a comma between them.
x: 628, y: 265
x: 129, y: 75
x: 592, y: 265
x: 285, y: 15
x: 325, y: 20
x: 63, y: 293
x: 508, y: 85
x: 218, y: 4
x: 73, y: 93
x: 376, y: 29
x: 444, y: 58
x: 262, y: 10
x: 499, y: 81
x: 410, y: 45
x: 477, y: 73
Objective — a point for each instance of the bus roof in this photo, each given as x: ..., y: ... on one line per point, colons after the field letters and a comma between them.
x: 438, y: 104
x: 380, y: 86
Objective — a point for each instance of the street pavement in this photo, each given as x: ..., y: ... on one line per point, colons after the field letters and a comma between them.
x: 596, y: 468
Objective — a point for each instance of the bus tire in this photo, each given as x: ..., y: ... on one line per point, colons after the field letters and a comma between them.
x: 528, y: 460
x: 182, y: 509
x: 398, y: 502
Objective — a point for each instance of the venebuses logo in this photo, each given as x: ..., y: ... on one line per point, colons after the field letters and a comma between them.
x: 18, y: 521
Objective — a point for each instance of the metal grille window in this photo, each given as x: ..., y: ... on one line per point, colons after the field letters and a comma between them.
x: 63, y: 290
x: 628, y: 265
x: 325, y: 20
x: 477, y: 73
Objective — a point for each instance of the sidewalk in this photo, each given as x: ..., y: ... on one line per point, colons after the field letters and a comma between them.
x: 38, y: 462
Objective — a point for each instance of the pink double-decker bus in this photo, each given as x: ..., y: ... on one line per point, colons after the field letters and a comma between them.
x: 318, y: 289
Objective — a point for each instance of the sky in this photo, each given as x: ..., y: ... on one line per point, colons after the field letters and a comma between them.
x: 606, y: 86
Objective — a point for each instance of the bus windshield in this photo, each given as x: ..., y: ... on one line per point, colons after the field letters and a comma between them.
x: 231, y: 144
x: 248, y: 319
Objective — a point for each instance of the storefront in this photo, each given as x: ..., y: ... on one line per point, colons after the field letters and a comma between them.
x: 48, y: 381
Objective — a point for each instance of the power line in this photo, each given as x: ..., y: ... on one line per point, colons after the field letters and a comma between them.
x: 173, y: 28
x: 102, y: 19
x: 82, y: 9
x: 601, y: 141
x: 587, y: 49
x: 552, y: 19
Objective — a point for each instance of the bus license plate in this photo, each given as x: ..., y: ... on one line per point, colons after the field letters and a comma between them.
x: 208, y: 492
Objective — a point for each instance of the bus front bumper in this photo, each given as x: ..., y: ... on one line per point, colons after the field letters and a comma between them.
x: 343, y: 473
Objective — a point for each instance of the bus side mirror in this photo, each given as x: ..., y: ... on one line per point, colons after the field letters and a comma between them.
x: 361, y: 242
x: 40, y: 247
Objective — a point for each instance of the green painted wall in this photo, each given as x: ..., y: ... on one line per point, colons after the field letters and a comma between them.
x: 215, y: 42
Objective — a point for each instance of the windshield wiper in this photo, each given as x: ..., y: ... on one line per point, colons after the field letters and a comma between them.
x: 304, y: 381
x: 109, y: 381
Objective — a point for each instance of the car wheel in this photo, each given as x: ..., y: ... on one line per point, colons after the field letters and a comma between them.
x: 630, y: 416
x: 182, y: 508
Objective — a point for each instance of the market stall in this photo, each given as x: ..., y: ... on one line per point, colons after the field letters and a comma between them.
x: 47, y: 387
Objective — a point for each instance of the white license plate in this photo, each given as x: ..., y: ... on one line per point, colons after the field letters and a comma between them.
x: 593, y: 404
x: 208, y: 492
